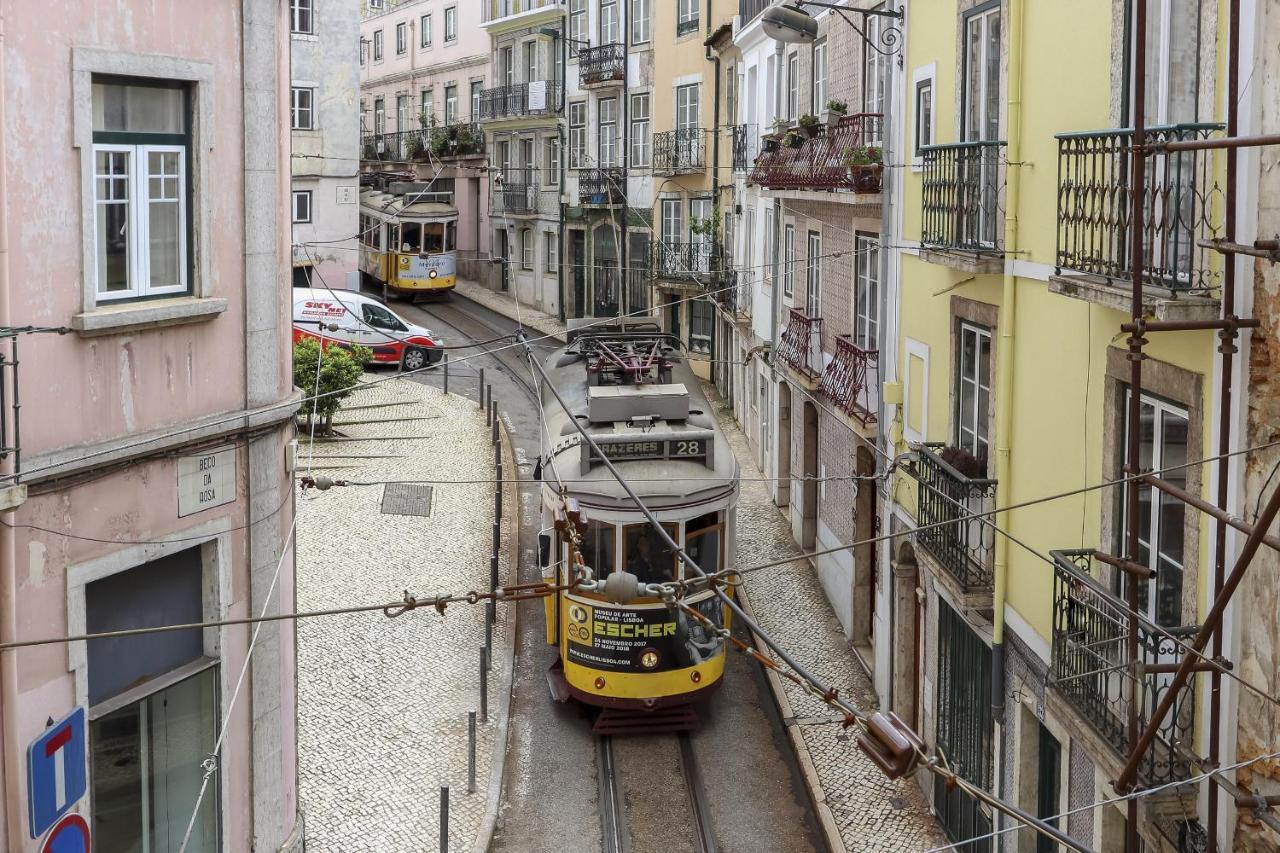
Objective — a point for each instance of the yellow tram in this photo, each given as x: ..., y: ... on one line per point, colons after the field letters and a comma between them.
x: 643, y: 662
x: 408, y: 238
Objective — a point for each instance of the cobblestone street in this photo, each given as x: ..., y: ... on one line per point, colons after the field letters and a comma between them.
x: 869, y: 811
x: 383, y: 702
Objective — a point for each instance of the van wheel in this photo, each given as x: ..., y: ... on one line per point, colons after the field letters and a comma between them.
x: 415, y: 358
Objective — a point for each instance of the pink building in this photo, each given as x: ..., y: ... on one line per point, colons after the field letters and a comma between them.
x: 423, y: 65
x: 144, y: 189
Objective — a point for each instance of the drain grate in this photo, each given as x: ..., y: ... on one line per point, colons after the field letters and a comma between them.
x: 406, y: 499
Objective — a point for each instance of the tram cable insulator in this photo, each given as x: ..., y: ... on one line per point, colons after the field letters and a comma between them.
x: 891, y: 744
x: 621, y: 587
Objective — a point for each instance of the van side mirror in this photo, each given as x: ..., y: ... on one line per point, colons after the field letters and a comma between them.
x: 544, y: 550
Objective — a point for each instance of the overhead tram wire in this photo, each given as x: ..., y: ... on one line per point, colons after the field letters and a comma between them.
x: 829, y: 694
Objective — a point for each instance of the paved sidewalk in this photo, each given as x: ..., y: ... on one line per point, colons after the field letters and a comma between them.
x: 504, y: 304
x: 858, y: 806
x: 383, y: 702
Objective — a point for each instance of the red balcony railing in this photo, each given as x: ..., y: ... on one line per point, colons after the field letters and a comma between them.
x: 818, y: 163
x: 801, y: 344
x: 852, y: 380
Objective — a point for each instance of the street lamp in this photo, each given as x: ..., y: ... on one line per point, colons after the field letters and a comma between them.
x: 793, y: 25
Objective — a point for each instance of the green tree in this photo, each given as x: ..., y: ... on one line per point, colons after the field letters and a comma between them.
x: 339, y: 371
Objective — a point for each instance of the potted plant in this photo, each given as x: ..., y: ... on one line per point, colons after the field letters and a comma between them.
x: 809, y: 124
x: 793, y: 139
x: 836, y: 110
x: 863, y: 166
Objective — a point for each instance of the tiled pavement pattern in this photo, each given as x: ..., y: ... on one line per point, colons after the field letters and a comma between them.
x: 870, y: 811
x: 383, y: 702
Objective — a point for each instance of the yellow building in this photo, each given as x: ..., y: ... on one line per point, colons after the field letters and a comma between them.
x: 1013, y: 374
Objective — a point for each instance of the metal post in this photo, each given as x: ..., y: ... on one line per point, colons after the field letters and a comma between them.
x: 497, y: 501
x: 493, y: 408
x: 490, y: 615
x: 497, y: 538
x: 480, y: 389
x: 493, y: 417
x: 471, y: 752
x: 485, y: 403
x: 484, y: 684
x: 445, y: 362
x: 444, y: 819
x: 493, y: 572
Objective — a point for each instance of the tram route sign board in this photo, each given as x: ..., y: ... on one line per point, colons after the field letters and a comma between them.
x: 691, y: 449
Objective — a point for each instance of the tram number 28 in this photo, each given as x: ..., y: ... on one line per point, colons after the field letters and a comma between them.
x: 684, y: 448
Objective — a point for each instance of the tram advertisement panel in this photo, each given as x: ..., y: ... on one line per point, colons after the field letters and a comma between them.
x: 419, y: 268
x: 625, y: 639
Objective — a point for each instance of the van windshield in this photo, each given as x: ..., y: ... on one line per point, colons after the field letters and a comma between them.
x: 381, y: 318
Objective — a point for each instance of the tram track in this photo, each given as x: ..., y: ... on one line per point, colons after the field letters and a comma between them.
x: 653, y: 827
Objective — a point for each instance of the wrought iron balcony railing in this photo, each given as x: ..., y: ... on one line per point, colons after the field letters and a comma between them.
x: 519, y: 198
x: 746, y: 146
x: 1089, y: 668
x: 801, y: 344
x: 539, y: 98
x: 748, y: 9
x: 693, y: 261
x: 450, y: 140
x: 601, y: 187
x: 852, y: 380
x: 606, y: 63
x: 1178, y: 207
x: 818, y: 162
x: 679, y: 152
x: 963, y: 196
x: 963, y: 548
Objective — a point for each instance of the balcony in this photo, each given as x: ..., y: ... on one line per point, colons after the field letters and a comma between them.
x: 746, y: 146
x: 692, y: 262
x: 602, y: 65
x: 1178, y: 211
x: 601, y: 187
x: 852, y: 380
x: 1090, y: 633
x: 443, y: 141
x: 519, y: 198
x: 801, y: 344
x: 680, y: 152
x: 963, y: 548
x: 963, y: 199
x: 748, y: 9
x: 521, y: 100
x: 818, y: 162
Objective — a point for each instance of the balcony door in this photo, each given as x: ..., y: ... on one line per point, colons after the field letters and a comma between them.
x: 700, y: 242
x: 506, y: 62
x: 530, y: 61
x: 609, y: 23
x: 608, y: 135
x: 672, y: 235
x: 688, y: 115
x: 980, y: 166
x: 973, y: 391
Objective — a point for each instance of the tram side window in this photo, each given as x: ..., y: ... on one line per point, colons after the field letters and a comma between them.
x: 411, y: 237
x: 450, y: 236
x: 646, y: 555
x: 434, y: 237
x: 598, y: 548
x: 702, y: 538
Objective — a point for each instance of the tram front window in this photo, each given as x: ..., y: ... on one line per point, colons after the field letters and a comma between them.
x: 702, y: 541
x: 433, y: 238
x: 647, y: 555
x: 598, y: 547
x: 410, y: 237
x: 450, y: 236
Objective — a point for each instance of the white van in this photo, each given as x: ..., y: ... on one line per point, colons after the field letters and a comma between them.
x: 344, y: 317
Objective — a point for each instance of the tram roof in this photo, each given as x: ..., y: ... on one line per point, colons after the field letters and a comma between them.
x: 393, y: 206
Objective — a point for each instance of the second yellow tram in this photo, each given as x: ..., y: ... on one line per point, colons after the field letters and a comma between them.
x: 408, y: 238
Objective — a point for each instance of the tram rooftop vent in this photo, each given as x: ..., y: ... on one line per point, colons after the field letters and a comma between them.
x: 608, y: 404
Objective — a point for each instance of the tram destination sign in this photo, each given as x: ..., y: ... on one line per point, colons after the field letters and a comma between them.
x: 694, y: 448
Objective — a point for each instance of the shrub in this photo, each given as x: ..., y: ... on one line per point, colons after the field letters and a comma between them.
x: 340, y: 370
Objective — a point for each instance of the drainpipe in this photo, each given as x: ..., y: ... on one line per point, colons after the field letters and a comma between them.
x: 564, y: 61
x: 1004, y: 356
x: 12, y: 751
x: 715, y: 171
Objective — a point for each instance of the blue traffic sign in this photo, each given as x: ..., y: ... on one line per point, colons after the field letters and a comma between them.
x: 56, y: 771
x: 69, y: 836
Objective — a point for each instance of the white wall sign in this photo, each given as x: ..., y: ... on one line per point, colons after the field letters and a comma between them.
x: 346, y: 195
x: 537, y: 95
x: 206, y: 481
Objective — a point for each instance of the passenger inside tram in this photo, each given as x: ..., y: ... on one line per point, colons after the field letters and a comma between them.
x: 649, y: 557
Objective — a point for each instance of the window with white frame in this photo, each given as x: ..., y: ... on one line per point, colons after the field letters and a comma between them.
x: 577, y: 134
x: 377, y: 4
x: 424, y: 30
x: 507, y: 65
x: 924, y: 114
x: 641, y: 21
x: 819, y: 91
x: 609, y: 22
x: 701, y: 325
x: 450, y: 104
x: 301, y: 206
x: 551, y: 162
x: 527, y: 162
x: 688, y: 110
x: 402, y: 38
x: 530, y: 61
x: 687, y: 16
x: 672, y: 221
x: 300, y: 16
x: 813, y: 276
x: 866, y: 311
x: 302, y: 112
x: 640, y: 130
x: 577, y: 23
x: 451, y: 24
x: 427, y: 106
x: 551, y: 245
x: 526, y: 249
x: 379, y: 116
x: 981, y: 84
x: 377, y: 45
x: 875, y: 70
x: 793, y: 84
x: 141, y: 150
x: 700, y: 242
x: 477, y: 86
x: 788, y: 260
x: 771, y: 244
x: 973, y: 390
x: 607, y: 142
x: 749, y: 246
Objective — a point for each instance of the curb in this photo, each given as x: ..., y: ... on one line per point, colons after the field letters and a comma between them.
x: 813, y: 784
x: 503, y: 305
x: 498, y: 761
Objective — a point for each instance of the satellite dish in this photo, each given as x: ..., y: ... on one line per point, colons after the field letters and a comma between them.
x: 791, y: 26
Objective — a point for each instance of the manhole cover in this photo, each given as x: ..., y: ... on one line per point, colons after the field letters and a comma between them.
x: 406, y: 499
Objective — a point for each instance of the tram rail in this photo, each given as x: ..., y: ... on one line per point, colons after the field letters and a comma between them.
x: 614, y: 831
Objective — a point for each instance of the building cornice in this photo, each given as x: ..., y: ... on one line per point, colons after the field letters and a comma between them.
x: 527, y: 18
x: 434, y: 70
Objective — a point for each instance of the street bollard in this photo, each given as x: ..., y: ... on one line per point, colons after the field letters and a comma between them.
x: 490, y: 614
x: 484, y: 685
x: 497, y: 540
x: 497, y: 503
x: 444, y: 819
x: 445, y: 360
x: 480, y: 389
x: 471, y: 752
x: 493, y: 405
x: 493, y: 572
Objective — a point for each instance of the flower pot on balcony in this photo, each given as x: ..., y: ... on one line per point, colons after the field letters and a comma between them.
x: 793, y: 139
x: 769, y: 144
x: 865, y: 179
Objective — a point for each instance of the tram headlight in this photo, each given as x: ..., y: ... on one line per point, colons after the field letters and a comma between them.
x: 431, y: 274
x: 649, y: 659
